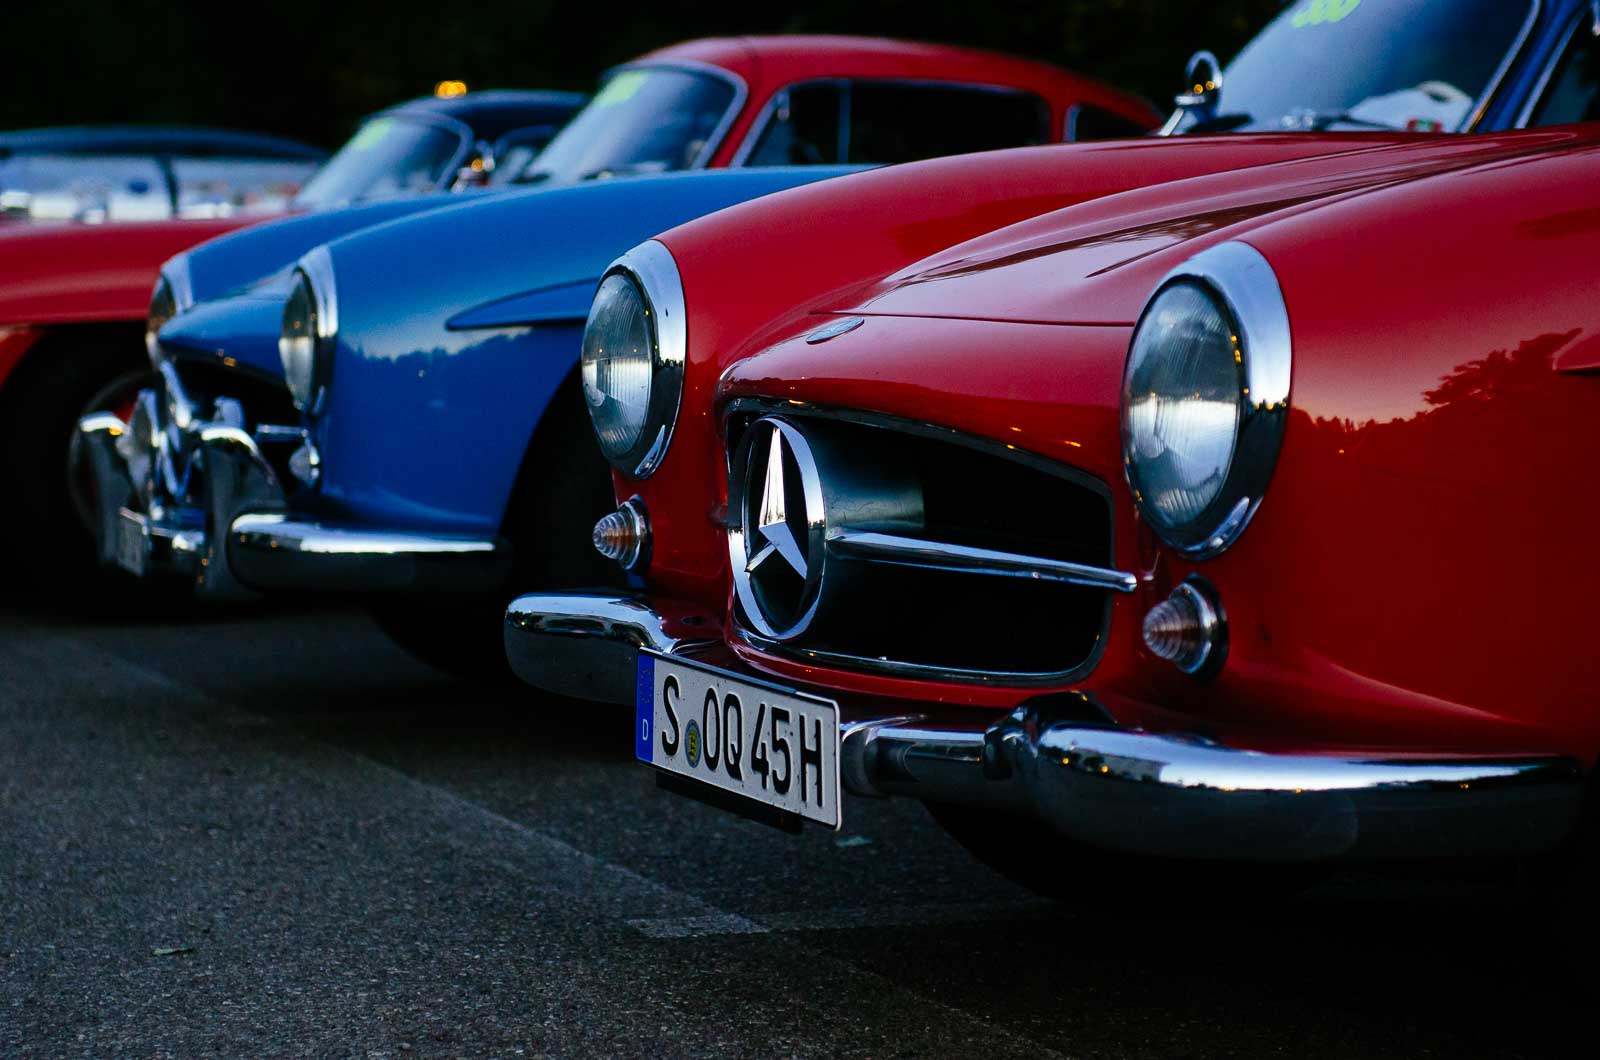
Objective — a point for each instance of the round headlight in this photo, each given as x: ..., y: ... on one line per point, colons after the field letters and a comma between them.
x: 310, y: 325
x: 1205, y: 398
x: 173, y: 294
x: 163, y: 307
x: 634, y: 348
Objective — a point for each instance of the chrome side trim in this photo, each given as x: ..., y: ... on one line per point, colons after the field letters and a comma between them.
x: 586, y: 646
x: 270, y: 551
x: 938, y: 555
x: 1503, y: 69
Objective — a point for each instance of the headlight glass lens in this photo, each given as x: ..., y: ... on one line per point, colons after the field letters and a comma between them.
x: 297, y: 344
x: 1181, y: 405
x: 618, y: 365
x: 163, y: 307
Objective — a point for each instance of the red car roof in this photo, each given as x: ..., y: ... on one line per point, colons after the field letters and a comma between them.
x: 767, y: 63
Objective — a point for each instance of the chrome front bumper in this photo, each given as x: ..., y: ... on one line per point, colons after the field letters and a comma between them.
x: 178, y: 495
x: 1159, y: 794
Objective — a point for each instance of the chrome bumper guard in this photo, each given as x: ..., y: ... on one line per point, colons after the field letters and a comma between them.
x: 167, y: 480
x: 1165, y: 795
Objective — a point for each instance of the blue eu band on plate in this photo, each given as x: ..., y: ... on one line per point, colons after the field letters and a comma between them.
x: 745, y: 738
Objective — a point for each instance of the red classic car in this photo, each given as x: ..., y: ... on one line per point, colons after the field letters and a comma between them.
x: 73, y: 303
x: 1177, y: 537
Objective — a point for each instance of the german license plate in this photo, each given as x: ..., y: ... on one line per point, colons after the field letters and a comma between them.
x: 132, y: 536
x: 750, y: 740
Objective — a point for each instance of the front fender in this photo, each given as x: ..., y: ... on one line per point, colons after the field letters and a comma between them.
x: 239, y: 330
x: 224, y: 265
x: 458, y: 327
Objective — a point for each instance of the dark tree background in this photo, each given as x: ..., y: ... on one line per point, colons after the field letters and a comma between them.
x: 311, y: 69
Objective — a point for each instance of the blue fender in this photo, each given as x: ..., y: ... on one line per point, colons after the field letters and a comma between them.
x: 228, y: 263
x: 458, y: 327
x: 238, y: 330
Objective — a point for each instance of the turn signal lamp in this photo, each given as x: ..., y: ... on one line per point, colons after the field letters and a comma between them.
x: 624, y: 536
x: 1188, y: 629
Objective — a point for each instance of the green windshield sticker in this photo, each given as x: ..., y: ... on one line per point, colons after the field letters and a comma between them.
x: 620, y: 89
x: 369, y: 134
x: 1321, y: 12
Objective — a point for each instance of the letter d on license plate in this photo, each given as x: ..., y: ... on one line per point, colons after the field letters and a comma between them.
x: 748, y: 739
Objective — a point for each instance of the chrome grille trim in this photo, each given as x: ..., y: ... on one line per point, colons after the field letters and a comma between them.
x: 940, y: 555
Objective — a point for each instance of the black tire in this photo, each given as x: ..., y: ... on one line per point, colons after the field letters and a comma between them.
x: 562, y: 490
x: 1028, y: 853
x: 62, y: 378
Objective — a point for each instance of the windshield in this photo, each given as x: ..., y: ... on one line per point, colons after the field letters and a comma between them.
x: 643, y: 120
x: 1419, y: 65
x: 388, y: 157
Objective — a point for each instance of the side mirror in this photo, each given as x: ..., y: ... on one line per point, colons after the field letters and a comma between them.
x: 1205, y: 85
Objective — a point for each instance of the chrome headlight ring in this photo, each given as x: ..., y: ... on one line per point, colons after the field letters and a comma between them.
x: 172, y: 296
x: 310, y: 331
x: 635, y: 348
x: 1244, y: 290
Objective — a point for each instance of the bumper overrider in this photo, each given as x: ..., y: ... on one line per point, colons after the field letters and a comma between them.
x: 180, y: 494
x: 1160, y: 794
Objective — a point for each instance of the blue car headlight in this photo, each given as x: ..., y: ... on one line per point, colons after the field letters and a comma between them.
x: 310, y: 328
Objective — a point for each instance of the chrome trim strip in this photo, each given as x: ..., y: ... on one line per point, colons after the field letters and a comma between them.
x: 177, y: 274
x: 1482, y: 105
x: 939, y: 555
x: 921, y: 671
x: 586, y: 646
x: 1540, y: 87
x: 317, y: 264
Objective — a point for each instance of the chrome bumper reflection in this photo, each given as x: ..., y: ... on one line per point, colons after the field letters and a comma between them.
x: 179, y: 479
x: 587, y: 647
x: 1164, y: 795
x: 273, y: 551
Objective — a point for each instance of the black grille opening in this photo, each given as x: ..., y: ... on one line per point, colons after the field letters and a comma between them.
x: 915, y: 481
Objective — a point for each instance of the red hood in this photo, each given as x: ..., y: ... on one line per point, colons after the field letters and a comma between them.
x: 1097, y: 262
x: 60, y: 274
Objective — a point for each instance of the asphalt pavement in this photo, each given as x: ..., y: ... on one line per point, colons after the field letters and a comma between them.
x: 273, y: 833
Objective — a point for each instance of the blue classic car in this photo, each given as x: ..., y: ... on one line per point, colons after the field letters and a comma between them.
x: 453, y: 334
